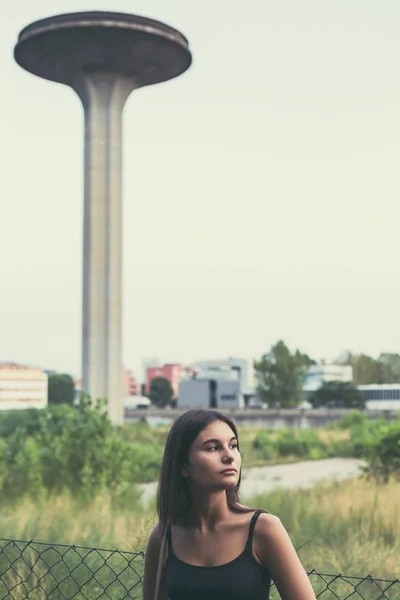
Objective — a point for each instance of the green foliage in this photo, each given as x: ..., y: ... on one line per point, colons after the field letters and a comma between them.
x: 392, y: 360
x: 291, y: 443
x: 82, y: 452
x: 147, y: 462
x: 384, y: 457
x: 337, y: 394
x: 61, y: 389
x: 379, y: 443
x: 27, y: 419
x: 264, y: 444
x: 368, y: 370
x: 75, y: 450
x: 352, y: 418
x: 141, y: 433
x: 30, y: 419
x: 20, y: 466
x: 365, y: 435
x: 298, y: 443
x: 280, y: 376
x: 161, y: 392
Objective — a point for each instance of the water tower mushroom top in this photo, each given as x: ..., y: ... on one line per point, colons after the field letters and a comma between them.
x: 65, y: 48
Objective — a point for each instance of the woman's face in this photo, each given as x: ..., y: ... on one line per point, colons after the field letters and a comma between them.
x: 214, y: 458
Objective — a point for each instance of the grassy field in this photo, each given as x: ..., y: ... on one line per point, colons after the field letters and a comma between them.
x: 351, y: 527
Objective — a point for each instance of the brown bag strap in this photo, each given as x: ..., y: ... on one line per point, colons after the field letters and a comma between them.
x: 161, y: 561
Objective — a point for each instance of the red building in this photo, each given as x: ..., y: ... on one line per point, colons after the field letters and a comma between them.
x: 131, y: 386
x: 172, y: 372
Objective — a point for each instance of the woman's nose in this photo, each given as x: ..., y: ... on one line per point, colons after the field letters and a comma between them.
x: 228, y: 454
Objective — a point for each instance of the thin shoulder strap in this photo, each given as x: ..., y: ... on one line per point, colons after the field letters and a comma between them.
x: 162, y: 559
x: 253, y: 522
x: 168, y: 536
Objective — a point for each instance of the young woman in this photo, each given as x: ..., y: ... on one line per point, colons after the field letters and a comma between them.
x: 216, y: 547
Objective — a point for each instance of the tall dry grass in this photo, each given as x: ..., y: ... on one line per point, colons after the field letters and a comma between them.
x: 351, y: 527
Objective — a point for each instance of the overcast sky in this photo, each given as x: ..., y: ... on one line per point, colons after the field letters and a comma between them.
x: 261, y: 188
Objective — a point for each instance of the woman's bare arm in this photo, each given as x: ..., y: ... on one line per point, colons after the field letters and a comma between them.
x: 278, y: 555
x: 151, y: 558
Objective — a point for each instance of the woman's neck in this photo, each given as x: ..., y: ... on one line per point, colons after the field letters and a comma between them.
x: 208, y: 510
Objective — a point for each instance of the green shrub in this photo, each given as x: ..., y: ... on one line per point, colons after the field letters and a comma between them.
x: 342, y: 448
x: 267, y: 449
x: 288, y: 443
x: 353, y: 418
x: 75, y: 450
x: 384, y: 455
x: 11, y: 420
x: 299, y: 443
x: 305, y: 443
x: 146, y: 462
x: 364, y: 436
x: 316, y: 454
x: 312, y: 443
x: 142, y: 433
x: 21, y: 467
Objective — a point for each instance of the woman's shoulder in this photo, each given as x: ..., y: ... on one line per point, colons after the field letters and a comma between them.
x: 155, y: 537
x: 264, y: 517
x: 269, y: 529
x: 267, y: 520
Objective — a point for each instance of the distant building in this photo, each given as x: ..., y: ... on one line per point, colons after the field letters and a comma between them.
x: 136, y: 402
x: 226, y: 379
x: 22, y: 387
x: 237, y: 366
x: 210, y: 393
x: 216, y: 383
x: 317, y: 375
x: 172, y: 372
x: 384, y: 396
x: 147, y: 362
x: 131, y: 386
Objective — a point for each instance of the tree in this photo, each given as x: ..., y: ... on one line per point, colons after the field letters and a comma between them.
x: 391, y: 360
x: 280, y: 376
x: 337, y: 394
x: 368, y: 370
x: 161, y: 392
x: 61, y: 389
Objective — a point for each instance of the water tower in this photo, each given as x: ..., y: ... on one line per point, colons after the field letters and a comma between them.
x: 103, y: 56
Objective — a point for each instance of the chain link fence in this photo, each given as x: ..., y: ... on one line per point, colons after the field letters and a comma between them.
x: 37, y: 571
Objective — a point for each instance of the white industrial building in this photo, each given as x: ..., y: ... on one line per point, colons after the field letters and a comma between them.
x: 384, y: 396
x: 317, y: 375
x: 22, y: 387
x: 233, y: 365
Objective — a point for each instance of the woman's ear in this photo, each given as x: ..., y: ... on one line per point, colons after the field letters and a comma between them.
x: 184, y: 472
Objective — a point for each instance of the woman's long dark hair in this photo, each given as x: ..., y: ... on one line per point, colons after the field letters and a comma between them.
x: 173, y: 495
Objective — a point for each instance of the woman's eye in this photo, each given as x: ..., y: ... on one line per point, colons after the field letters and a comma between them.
x: 212, y: 448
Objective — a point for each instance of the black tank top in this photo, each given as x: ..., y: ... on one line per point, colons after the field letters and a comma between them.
x: 241, y: 579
